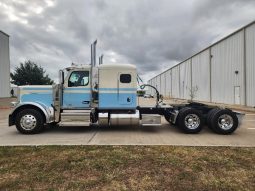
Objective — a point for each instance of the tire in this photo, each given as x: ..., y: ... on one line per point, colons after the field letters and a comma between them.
x: 167, y: 118
x: 190, y: 120
x: 34, y: 124
x: 181, y: 111
x: 224, y: 122
x: 209, y: 116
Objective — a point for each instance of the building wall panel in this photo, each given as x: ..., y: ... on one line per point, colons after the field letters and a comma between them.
x: 148, y: 89
x: 163, y: 84
x: 185, y: 79
x: 158, y: 83
x: 153, y: 84
x: 175, y: 82
x: 227, y: 65
x: 227, y: 75
x: 168, y: 92
x: 4, y: 66
x: 250, y: 65
x: 201, y: 75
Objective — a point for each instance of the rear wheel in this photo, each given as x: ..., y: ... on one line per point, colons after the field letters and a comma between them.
x: 29, y: 121
x: 181, y: 111
x: 209, y: 116
x: 190, y: 120
x: 170, y: 122
x: 224, y: 122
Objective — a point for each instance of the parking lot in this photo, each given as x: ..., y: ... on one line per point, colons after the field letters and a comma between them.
x: 163, y: 135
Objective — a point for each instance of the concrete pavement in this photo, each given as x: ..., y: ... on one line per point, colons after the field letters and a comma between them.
x: 164, y: 135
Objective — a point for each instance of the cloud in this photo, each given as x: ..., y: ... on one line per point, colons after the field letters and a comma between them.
x: 153, y: 35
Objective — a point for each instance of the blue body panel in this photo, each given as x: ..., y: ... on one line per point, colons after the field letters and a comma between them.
x: 109, y: 98
x: 123, y: 98
x: 44, y: 97
x: 76, y: 98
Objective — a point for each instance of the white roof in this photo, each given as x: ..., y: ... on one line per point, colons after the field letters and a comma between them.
x: 78, y: 67
x: 117, y: 66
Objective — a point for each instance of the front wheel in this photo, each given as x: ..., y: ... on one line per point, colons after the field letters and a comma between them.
x: 29, y: 121
x: 190, y: 120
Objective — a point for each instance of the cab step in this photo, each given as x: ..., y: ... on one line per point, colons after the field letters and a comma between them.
x: 74, y: 124
x: 75, y: 118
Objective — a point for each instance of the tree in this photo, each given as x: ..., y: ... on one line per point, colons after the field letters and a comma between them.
x: 192, y: 92
x: 29, y: 73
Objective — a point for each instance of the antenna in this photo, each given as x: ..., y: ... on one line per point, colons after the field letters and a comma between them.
x: 102, y: 56
x: 91, y: 52
x: 101, y: 59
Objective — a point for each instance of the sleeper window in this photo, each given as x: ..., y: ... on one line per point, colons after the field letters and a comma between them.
x: 125, y: 78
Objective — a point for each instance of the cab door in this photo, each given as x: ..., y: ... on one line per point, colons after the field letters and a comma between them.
x: 77, y: 93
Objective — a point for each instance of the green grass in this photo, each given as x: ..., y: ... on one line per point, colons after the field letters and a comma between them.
x: 126, y: 168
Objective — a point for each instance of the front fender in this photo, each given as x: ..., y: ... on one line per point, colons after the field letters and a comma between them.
x: 46, y: 110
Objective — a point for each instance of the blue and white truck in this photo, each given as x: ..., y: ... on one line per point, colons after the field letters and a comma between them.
x: 106, y: 95
x: 110, y: 101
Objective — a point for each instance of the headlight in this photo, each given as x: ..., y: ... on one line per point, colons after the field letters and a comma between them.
x: 14, y: 104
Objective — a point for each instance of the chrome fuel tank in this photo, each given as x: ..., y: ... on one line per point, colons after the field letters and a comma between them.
x: 125, y: 119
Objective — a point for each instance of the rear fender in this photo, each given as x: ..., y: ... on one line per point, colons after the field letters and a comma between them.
x: 240, y: 117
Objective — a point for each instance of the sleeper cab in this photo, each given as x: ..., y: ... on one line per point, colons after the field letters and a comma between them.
x: 117, y: 87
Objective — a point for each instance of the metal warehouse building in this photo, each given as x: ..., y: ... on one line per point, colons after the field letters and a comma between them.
x: 221, y: 73
x: 4, y: 65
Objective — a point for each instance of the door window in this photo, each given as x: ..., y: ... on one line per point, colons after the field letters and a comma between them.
x: 78, y: 78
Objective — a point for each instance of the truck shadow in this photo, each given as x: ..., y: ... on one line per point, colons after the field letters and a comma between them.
x: 71, y: 129
x: 81, y: 129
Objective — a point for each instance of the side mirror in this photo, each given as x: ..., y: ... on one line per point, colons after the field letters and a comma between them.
x: 61, y: 77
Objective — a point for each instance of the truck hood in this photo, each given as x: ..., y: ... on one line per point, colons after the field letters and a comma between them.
x: 30, y: 87
x: 36, y: 93
x: 35, y: 89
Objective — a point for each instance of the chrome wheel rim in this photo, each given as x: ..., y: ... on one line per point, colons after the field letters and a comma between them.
x: 225, y: 122
x: 28, y: 122
x: 192, y: 121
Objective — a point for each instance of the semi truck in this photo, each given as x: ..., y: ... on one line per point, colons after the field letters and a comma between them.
x: 107, y: 96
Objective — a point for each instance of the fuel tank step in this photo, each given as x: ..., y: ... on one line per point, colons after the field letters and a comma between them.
x: 151, y: 120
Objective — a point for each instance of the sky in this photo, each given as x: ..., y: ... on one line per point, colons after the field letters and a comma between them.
x: 154, y: 35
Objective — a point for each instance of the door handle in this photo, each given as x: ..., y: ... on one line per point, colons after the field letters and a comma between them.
x: 85, y: 102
